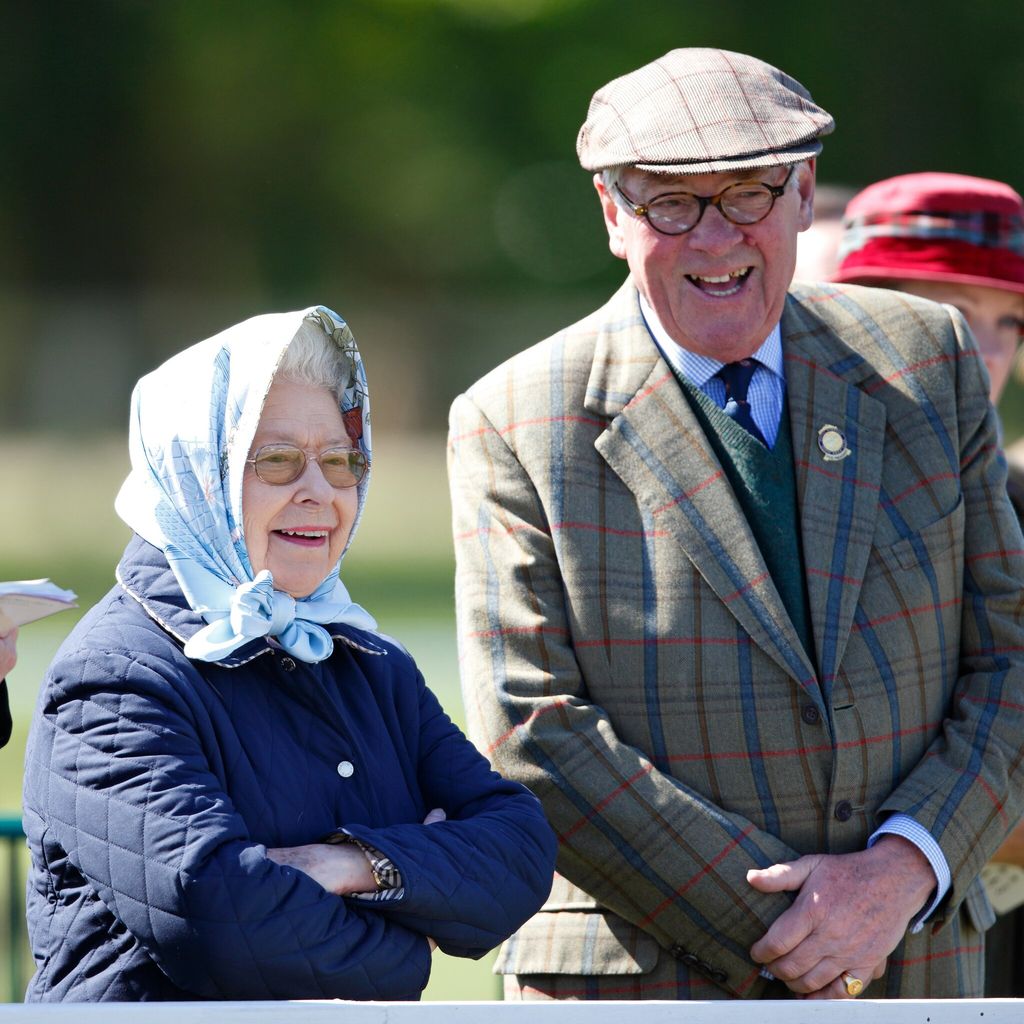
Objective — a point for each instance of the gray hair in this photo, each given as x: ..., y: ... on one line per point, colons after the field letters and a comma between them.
x: 313, y: 358
x: 610, y: 177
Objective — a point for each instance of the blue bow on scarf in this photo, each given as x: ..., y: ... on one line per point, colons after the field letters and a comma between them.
x: 237, y: 615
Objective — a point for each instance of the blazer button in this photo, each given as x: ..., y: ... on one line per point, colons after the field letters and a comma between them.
x: 288, y: 664
x: 346, y: 769
x: 844, y: 810
x: 810, y: 714
x: 682, y: 954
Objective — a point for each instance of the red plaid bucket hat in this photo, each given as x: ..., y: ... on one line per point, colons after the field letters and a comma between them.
x: 937, y: 227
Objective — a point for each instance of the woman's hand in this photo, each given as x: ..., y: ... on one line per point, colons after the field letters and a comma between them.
x: 8, y: 652
x: 341, y: 868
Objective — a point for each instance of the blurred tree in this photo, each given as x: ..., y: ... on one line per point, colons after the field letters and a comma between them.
x: 171, y: 167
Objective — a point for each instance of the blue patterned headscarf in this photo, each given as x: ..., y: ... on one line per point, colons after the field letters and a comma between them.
x: 192, y: 424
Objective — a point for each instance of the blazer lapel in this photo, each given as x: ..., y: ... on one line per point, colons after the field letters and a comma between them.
x: 658, y: 449
x: 838, y: 435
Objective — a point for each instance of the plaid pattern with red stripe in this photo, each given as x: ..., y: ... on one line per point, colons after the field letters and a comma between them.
x: 986, y: 228
x: 625, y: 654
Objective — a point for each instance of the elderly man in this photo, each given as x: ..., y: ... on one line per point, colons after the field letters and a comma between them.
x: 737, y: 586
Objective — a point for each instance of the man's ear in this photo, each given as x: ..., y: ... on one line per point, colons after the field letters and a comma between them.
x: 613, y: 215
x: 805, y: 188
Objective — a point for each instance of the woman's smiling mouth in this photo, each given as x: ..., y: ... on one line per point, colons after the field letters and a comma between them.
x: 307, y: 537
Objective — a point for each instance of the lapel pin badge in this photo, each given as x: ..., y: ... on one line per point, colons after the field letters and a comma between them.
x: 832, y: 442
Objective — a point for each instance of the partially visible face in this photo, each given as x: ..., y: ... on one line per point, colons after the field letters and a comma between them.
x: 817, y: 250
x: 720, y: 288
x: 994, y: 315
x: 298, y: 530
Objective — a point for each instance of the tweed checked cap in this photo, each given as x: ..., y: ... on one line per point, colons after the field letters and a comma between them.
x: 695, y: 111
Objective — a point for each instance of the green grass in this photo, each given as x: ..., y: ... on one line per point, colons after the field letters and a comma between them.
x: 59, y: 522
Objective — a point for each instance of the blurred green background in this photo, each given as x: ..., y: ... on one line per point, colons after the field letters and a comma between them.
x: 171, y: 167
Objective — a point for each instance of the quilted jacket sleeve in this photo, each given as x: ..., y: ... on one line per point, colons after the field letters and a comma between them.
x: 132, y: 800
x: 473, y: 879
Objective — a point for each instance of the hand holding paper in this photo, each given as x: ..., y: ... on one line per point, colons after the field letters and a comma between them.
x: 8, y: 653
x: 23, y: 601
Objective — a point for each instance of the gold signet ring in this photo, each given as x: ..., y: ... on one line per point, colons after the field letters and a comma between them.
x: 854, y: 986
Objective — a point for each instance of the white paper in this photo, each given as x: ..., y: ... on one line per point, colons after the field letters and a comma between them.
x: 23, y: 601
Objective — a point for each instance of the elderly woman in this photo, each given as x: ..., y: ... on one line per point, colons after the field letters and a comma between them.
x: 235, y: 787
x: 959, y: 240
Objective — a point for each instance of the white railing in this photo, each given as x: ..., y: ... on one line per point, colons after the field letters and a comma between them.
x: 937, y: 1011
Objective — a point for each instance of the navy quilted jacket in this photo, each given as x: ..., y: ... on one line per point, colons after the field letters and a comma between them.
x: 154, y: 783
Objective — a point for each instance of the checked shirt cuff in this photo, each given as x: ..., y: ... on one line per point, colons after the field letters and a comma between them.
x: 905, y: 826
x: 385, y: 874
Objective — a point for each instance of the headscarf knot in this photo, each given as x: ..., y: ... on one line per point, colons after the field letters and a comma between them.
x: 255, y: 609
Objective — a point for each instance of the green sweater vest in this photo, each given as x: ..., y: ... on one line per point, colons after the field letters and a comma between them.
x: 765, y: 487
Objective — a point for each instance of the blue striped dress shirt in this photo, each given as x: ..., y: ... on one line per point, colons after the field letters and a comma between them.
x: 767, y: 386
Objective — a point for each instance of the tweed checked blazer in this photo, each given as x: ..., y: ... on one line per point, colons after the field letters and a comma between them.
x: 626, y: 654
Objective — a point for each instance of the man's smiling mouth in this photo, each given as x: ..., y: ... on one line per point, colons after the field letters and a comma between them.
x: 720, y: 285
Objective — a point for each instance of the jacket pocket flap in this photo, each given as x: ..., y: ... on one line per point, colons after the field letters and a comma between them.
x: 577, y: 942
x: 925, y: 546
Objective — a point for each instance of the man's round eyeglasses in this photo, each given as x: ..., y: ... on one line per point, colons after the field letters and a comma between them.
x: 284, y: 463
x: 675, y: 213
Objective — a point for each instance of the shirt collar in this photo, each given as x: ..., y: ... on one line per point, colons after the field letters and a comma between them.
x: 700, y: 369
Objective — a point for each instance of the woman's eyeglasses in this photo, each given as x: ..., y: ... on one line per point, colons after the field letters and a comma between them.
x: 284, y: 463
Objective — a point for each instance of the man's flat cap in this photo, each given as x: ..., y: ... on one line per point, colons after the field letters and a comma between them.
x: 695, y: 111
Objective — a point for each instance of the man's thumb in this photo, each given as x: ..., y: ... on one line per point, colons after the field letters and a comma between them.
x: 782, y: 877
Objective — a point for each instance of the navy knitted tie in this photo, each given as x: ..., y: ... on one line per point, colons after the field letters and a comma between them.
x: 736, y: 377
